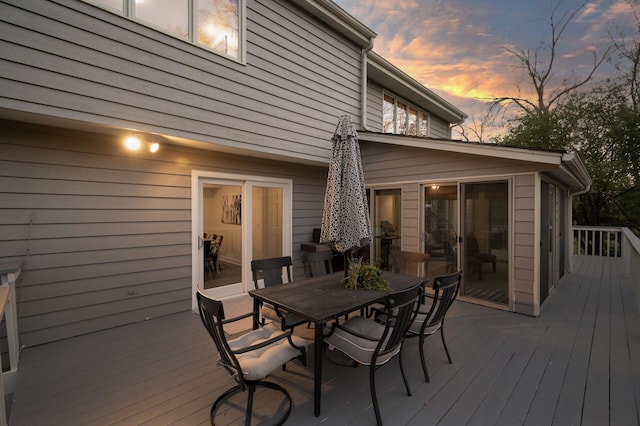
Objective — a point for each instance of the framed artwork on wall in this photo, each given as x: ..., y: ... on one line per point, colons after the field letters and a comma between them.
x: 231, y: 209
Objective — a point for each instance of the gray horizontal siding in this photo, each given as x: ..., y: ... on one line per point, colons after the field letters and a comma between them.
x: 390, y: 163
x: 374, y: 106
x: 411, y: 240
x: 524, y: 256
x: 70, y: 59
x: 439, y: 128
x: 92, y: 222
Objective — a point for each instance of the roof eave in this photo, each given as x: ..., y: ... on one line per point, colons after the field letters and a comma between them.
x: 338, y: 19
x: 455, y: 146
x: 399, y: 81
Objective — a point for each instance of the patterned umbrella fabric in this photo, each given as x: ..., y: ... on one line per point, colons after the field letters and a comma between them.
x: 345, y: 218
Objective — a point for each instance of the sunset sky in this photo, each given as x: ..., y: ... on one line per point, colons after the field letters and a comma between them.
x: 457, y: 47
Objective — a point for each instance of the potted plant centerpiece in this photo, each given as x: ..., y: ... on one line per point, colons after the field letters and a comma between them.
x: 365, y: 275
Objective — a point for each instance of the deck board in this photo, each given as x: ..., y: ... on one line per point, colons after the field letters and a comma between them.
x: 577, y: 363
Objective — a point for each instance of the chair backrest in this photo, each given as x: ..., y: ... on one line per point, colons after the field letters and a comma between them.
x: 401, y: 307
x: 445, y: 291
x: 271, y: 270
x: 212, y: 316
x: 410, y: 263
x: 317, y: 263
x: 216, y: 243
x: 473, y: 248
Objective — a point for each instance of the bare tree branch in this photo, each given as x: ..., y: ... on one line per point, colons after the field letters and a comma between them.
x: 540, y: 72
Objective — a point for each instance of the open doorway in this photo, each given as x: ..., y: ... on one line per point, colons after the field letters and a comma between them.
x: 486, y: 241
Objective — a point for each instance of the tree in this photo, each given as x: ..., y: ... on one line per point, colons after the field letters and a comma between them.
x: 627, y: 49
x: 603, y: 128
x: 538, y: 68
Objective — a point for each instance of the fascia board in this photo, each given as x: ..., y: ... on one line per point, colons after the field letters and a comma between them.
x: 573, y: 162
x: 338, y: 19
x: 487, y: 150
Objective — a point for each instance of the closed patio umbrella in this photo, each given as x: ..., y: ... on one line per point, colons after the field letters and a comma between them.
x: 345, y: 217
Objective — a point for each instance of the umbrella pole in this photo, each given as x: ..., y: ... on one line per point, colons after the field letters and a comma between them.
x: 346, y: 264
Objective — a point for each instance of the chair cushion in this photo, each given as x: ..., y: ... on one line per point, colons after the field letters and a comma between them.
x: 417, y: 323
x: 357, y: 348
x: 259, y: 363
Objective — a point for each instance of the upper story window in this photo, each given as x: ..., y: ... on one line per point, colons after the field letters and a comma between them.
x: 400, y: 118
x: 215, y: 24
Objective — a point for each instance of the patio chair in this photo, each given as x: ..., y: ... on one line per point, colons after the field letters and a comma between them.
x: 213, y: 253
x: 410, y: 263
x: 407, y: 263
x: 271, y: 270
x: 371, y: 343
x: 475, y: 259
x: 317, y: 263
x: 251, y: 357
x: 431, y: 315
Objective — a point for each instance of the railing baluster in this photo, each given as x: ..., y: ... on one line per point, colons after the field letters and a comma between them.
x: 9, y: 273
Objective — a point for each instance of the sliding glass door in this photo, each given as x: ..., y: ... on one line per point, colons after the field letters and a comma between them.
x: 236, y: 220
x: 441, y: 229
x: 486, y: 241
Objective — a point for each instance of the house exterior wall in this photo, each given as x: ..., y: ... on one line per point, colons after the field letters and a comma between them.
x: 392, y: 163
x: 374, y: 106
x: 91, y: 221
x: 524, y: 244
x: 411, y: 240
x: 409, y: 167
x: 73, y: 60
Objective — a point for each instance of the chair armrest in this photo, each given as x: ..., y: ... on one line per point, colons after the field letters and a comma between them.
x: 238, y: 318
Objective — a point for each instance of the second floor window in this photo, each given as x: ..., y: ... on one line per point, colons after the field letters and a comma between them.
x: 215, y: 24
x: 403, y: 119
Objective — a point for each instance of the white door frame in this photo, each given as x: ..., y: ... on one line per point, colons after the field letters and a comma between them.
x: 246, y: 182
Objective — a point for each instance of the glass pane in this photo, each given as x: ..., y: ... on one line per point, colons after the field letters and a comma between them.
x: 266, y: 217
x: 401, y: 118
x: 387, y: 114
x: 440, y: 227
x: 424, y: 124
x: 218, y: 25
x: 486, y: 270
x: 170, y: 15
x: 387, y: 224
x: 413, y: 122
x: 221, y: 207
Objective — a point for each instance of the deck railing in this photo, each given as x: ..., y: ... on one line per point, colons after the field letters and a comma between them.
x: 9, y: 273
x: 597, y: 241
x: 611, y: 242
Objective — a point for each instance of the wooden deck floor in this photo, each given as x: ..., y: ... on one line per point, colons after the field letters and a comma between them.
x: 577, y: 363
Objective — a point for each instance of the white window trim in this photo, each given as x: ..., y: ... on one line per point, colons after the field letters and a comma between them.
x: 408, y: 106
x: 129, y: 13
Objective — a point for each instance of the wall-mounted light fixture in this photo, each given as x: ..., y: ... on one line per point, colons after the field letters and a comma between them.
x: 435, y: 186
x: 135, y: 143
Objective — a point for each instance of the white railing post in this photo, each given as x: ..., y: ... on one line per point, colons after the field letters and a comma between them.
x: 9, y: 273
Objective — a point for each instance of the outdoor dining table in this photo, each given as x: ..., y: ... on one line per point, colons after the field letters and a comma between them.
x: 320, y: 300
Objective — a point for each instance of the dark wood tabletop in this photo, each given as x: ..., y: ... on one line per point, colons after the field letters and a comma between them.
x: 322, y: 298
